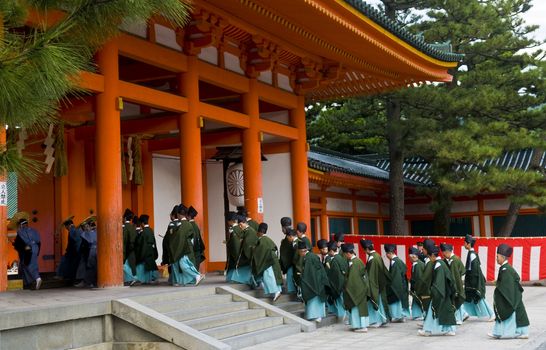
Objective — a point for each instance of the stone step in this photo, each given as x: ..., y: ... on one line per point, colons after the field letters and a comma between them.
x: 291, y: 306
x: 177, y: 293
x: 187, y: 304
x: 243, y: 327
x: 225, y: 319
x: 326, y: 321
x: 205, y: 311
x: 262, y: 336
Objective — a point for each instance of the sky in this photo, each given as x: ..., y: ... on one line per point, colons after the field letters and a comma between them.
x: 536, y: 15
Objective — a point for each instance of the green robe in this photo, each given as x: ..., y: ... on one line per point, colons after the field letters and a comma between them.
x: 416, y: 275
x: 313, y: 279
x: 250, y: 238
x: 234, y: 246
x: 146, y: 250
x: 442, y: 292
x: 129, y: 238
x: 198, y: 245
x: 264, y: 257
x: 474, y: 280
x: 336, y: 270
x: 457, y: 271
x: 422, y: 287
x: 286, y: 255
x: 378, y: 275
x: 166, y: 258
x: 298, y: 260
x: 357, y: 288
x: 397, y: 289
x: 254, y: 224
x: 507, y: 296
x: 180, y: 241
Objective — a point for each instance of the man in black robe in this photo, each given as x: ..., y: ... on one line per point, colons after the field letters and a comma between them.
x: 146, y: 252
x: 417, y: 268
x: 198, y: 244
x: 287, y: 254
x: 129, y: 257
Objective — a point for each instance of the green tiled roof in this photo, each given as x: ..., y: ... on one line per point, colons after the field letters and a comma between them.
x: 433, y: 50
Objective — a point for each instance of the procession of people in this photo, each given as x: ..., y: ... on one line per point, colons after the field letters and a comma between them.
x: 363, y: 294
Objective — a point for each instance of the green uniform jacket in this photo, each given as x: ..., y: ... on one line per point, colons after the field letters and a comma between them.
x: 298, y: 260
x: 416, y: 275
x: 457, y: 271
x: 234, y: 246
x: 397, y: 289
x: 378, y: 275
x: 129, y: 238
x: 507, y: 297
x: 146, y: 250
x: 286, y: 255
x: 254, y: 224
x: 336, y: 270
x: 198, y: 245
x: 357, y: 288
x: 180, y: 241
x: 474, y: 280
x: 422, y: 287
x: 442, y: 292
x: 313, y: 279
x: 250, y: 238
x: 265, y: 256
x: 166, y: 257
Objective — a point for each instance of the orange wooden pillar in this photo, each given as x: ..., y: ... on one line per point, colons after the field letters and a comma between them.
x: 108, y: 172
x: 252, y: 153
x: 298, y: 161
x: 191, y: 177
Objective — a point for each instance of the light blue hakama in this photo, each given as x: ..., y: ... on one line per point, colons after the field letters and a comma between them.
x: 416, y: 311
x: 184, y: 272
x: 314, y: 309
x: 338, y: 307
x: 433, y: 326
x: 128, y: 273
x: 356, y: 321
x: 290, y: 286
x: 241, y: 275
x: 377, y: 316
x: 144, y: 276
x: 508, y: 328
x: 460, y: 314
x: 269, y: 282
x: 397, y: 311
x: 481, y: 310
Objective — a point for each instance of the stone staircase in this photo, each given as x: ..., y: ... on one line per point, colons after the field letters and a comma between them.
x: 223, y: 316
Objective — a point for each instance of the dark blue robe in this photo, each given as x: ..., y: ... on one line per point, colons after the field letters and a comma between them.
x: 71, y: 258
x: 28, y: 258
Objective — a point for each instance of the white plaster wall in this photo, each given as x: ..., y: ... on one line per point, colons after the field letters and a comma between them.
x: 464, y: 206
x: 338, y: 204
x: 266, y: 77
x: 363, y: 207
x: 138, y: 29
x: 282, y: 117
x: 209, y: 54
x: 231, y: 62
x: 476, y: 225
x: 487, y: 222
x: 277, y: 193
x: 283, y: 82
x: 166, y: 36
x: 418, y: 209
x: 166, y: 194
x: 496, y: 204
x: 215, y: 204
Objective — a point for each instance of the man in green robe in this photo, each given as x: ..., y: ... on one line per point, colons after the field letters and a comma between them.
x: 356, y: 290
x: 265, y: 264
x: 457, y: 269
x: 249, y: 238
x: 288, y: 251
x: 336, y: 269
x: 378, y: 277
x: 417, y: 268
x: 397, y: 287
x: 474, y: 285
x: 198, y: 244
x: 422, y: 287
x: 251, y: 222
x: 233, y: 245
x: 166, y: 258
x: 511, y: 319
x: 129, y: 257
x: 146, y: 252
x: 301, y: 228
x: 313, y: 284
x: 440, y: 318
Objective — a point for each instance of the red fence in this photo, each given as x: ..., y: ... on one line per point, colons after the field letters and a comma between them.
x: 528, y: 259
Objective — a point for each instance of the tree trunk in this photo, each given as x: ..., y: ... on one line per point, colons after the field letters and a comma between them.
x: 514, y: 208
x: 442, y: 210
x: 396, y: 176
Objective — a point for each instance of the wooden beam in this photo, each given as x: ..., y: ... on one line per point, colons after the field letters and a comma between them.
x: 232, y: 137
x: 156, y: 126
x: 153, y: 54
x: 223, y: 115
x: 91, y: 81
x: 278, y: 129
x: 163, y: 144
x: 277, y: 96
x: 153, y: 98
x: 221, y: 77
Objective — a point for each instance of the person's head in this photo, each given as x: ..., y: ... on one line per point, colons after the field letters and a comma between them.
x: 413, y: 254
x: 301, y: 228
x: 241, y: 220
x: 286, y: 223
x: 390, y: 251
x: 302, y: 248
x: 192, y: 213
x: 469, y: 242
x: 348, y: 250
x: 231, y: 218
x: 128, y: 215
x: 322, y: 246
x: 427, y: 244
x: 290, y: 234
x: 433, y: 252
x: 174, y: 213
x: 136, y: 221
x: 182, y: 212
x: 504, y: 251
x: 332, y: 248
x: 22, y: 223
x: 262, y: 229
x: 367, y: 245
x: 420, y: 246
x: 144, y: 219
x: 447, y: 250
x: 242, y: 211
x: 68, y: 222
x: 339, y: 238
